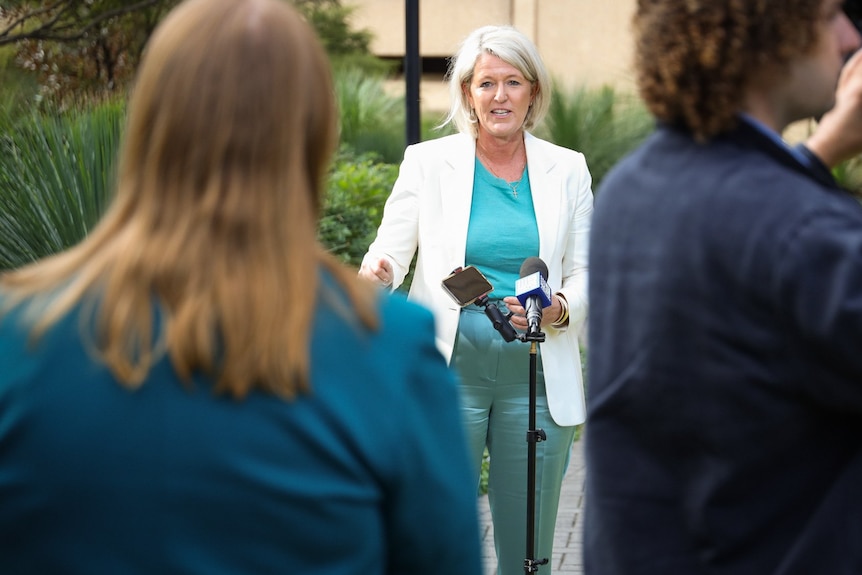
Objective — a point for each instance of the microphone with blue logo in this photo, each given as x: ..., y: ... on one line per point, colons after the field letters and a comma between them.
x: 533, y: 291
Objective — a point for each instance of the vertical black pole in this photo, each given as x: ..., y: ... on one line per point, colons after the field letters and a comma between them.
x: 531, y: 564
x: 412, y: 71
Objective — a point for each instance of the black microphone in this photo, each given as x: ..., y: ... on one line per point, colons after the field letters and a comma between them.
x: 533, y: 292
x: 499, y: 321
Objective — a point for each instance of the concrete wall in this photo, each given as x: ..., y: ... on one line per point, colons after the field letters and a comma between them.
x: 582, y: 41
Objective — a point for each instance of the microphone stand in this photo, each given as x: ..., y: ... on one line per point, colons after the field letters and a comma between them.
x: 534, y: 436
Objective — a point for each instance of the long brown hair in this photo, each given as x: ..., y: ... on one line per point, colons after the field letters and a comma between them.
x: 230, y: 131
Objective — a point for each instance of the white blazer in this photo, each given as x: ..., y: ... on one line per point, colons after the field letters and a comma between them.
x: 429, y: 210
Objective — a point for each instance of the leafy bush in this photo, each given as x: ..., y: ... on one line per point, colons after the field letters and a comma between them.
x: 83, y: 51
x: 483, y: 473
x: 357, y: 189
x: 849, y: 175
x: 19, y: 88
x: 331, y: 20
x: 601, y: 124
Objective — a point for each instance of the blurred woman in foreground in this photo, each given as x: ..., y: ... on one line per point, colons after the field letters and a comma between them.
x: 198, y: 387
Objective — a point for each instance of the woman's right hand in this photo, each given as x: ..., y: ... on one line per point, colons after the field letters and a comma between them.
x: 379, y: 272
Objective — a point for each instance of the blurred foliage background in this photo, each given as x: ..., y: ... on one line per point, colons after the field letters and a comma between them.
x: 67, y: 65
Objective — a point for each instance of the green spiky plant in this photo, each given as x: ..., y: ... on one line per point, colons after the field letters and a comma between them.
x: 600, y: 123
x: 371, y: 120
x: 55, y: 174
x: 56, y: 178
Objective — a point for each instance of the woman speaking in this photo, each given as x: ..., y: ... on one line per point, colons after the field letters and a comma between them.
x: 492, y: 196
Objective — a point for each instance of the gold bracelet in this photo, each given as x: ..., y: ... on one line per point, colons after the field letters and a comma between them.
x: 563, y: 320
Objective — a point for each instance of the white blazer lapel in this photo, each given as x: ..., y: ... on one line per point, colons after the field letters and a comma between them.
x: 546, y: 188
x: 456, y: 195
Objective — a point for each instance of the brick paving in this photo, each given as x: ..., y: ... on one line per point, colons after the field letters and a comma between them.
x: 566, y: 558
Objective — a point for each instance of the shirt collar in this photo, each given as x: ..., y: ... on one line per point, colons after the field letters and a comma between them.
x: 775, y: 137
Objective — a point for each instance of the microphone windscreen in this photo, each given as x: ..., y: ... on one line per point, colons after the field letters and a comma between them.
x: 533, y: 282
x: 532, y: 265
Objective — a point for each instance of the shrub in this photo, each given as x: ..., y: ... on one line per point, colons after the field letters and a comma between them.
x: 353, y: 207
x: 849, y: 175
x: 19, y: 88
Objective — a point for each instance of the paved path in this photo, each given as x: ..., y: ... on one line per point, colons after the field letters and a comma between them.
x: 567, y: 539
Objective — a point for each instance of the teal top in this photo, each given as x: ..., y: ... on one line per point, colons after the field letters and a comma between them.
x: 503, y: 230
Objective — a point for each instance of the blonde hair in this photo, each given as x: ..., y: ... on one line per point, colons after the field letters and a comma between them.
x: 512, y: 47
x: 230, y: 131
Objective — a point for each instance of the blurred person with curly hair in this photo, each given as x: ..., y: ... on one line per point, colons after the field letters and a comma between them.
x: 724, y: 426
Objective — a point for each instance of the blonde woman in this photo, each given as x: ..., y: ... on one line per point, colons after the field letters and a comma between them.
x: 198, y: 387
x: 492, y: 196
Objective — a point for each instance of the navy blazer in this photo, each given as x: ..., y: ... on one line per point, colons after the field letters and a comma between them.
x: 724, y: 429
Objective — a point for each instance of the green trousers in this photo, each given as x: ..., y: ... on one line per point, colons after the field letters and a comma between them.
x: 495, y: 386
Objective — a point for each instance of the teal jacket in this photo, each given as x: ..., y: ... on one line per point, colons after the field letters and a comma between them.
x: 366, y: 474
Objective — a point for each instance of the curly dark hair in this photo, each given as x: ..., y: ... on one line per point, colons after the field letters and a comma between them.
x: 694, y: 58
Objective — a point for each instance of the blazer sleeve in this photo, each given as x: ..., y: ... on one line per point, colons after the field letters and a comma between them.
x: 398, y: 235
x: 576, y: 252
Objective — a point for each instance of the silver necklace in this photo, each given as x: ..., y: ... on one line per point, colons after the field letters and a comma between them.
x: 513, y: 186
